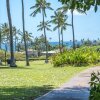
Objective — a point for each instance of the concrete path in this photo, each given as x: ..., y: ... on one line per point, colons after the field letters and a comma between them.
x: 76, y: 89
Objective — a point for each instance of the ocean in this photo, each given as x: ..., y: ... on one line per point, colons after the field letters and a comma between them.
x: 68, y: 44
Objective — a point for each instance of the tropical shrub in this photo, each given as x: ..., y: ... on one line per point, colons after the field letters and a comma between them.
x: 78, y: 57
x: 95, y: 86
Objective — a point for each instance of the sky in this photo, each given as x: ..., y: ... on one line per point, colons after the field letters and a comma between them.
x: 86, y: 26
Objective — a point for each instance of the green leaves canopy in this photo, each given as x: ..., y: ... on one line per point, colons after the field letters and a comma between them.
x: 39, y: 6
x: 45, y: 25
x: 82, y: 4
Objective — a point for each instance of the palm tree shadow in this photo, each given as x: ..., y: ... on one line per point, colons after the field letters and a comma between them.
x: 23, y: 93
x: 7, y: 67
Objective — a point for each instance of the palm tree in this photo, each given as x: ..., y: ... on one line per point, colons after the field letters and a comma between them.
x: 57, y: 19
x: 63, y: 28
x: 72, y: 5
x: 15, y: 36
x: 45, y: 26
x: 5, y: 34
x: 40, y: 7
x: 27, y: 59
x: 12, y: 62
x: 28, y: 37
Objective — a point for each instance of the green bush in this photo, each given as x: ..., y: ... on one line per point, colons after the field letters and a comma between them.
x: 78, y: 57
x: 95, y: 86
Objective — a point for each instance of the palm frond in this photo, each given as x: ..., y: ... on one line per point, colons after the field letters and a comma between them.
x: 40, y: 29
x: 55, y: 28
x: 38, y: 10
x: 81, y: 11
x: 48, y: 29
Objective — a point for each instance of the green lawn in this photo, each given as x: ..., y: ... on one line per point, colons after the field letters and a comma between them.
x: 27, y: 83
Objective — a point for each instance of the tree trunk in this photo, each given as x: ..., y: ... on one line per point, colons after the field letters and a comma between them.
x: 5, y: 53
x: 59, y: 39
x: 62, y: 40
x: 0, y: 38
x: 12, y: 60
x: 23, y: 21
x: 73, y: 31
x: 46, y: 61
x: 15, y: 40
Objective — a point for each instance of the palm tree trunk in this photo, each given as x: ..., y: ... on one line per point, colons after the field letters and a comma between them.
x: 12, y: 60
x: 62, y: 41
x: 27, y: 59
x: 46, y: 61
x: 15, y: 41
x: 73, y: 30
x: 59, y: 39
x: 5, y: 53
x: 0, y: 38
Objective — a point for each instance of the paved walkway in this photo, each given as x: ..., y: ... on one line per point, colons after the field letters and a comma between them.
x: 76, y: 89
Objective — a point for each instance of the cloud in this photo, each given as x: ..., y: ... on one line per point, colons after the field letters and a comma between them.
x: 75, y: 13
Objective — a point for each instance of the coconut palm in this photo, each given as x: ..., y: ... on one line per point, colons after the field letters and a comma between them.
x: 63, y: 28
x: 17, y: 34
x: 28, y: 37
x: 23, y: 21
x: 57, y: 19
x: 5, y: 33
x: 40, y: 7
x: 72, y: 5
x: 45, y: 26
x: 12, y: 62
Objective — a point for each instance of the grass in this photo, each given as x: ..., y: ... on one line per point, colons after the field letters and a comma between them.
x: 27, y: 83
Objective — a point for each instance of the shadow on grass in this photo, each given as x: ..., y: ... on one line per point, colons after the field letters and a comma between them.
x: 23, y: 93
x: 71, y: 65
x: 7, y: 67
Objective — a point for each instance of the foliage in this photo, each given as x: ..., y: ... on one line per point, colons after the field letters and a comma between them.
x: 90, y: 43
x: 83, y: 4
x: 39, y: 43
x: 27, y: 83
x: 18, y: 56
x: 81, y: 56
x: 2, y: 55
x: 95, y: 86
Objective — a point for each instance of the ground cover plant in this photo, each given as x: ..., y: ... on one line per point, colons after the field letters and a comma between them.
x: 27, y: 83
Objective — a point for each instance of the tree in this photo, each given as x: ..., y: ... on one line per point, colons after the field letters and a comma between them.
x: 5, y: 34
x: 39, y: 44
x: 12, y: 62
x: 28, y: 37
x: 57, y: 19
x: 45, y: 26
x: 72, y: 5
x: 86, y: 4
x: 23, y: 21
x: 63, y: 28
x: 40, y: 7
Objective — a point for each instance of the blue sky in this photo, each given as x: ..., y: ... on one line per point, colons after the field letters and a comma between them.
x: 86, y: 26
